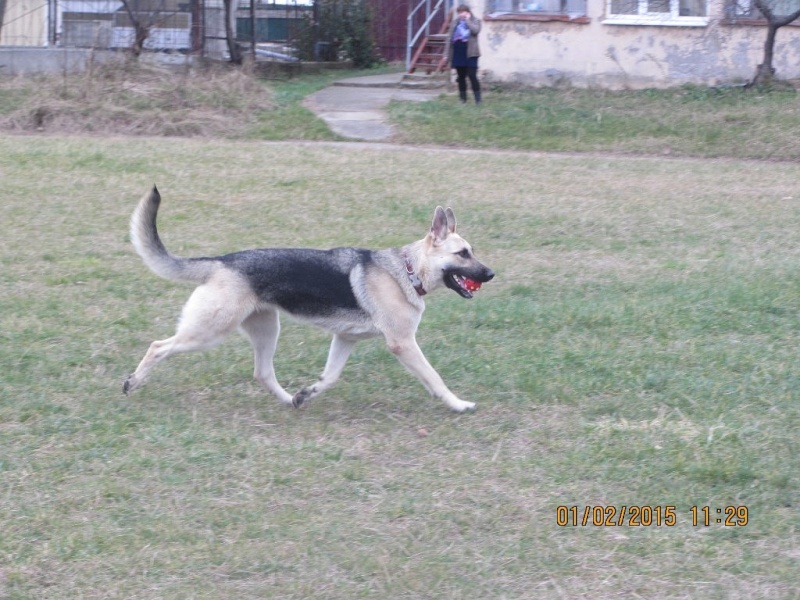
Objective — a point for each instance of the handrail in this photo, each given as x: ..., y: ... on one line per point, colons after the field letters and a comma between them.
x: 431, y: 14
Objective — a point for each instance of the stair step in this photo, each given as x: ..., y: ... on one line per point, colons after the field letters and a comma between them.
x: 426, y: 82
x: 432, y: 56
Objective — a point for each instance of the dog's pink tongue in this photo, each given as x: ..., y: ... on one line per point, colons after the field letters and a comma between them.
x: 472, y: 285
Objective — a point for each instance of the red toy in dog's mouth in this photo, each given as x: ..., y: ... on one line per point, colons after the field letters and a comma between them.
x: 467, y: 285
x: 471, y: 285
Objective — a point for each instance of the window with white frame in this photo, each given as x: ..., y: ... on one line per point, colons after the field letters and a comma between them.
x: 572, y: 8
x: 686, y: 13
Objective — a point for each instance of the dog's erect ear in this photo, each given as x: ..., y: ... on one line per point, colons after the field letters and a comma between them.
x: 440, y: 227
x: 451, y: 219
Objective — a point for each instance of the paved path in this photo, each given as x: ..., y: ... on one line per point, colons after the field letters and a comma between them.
x: 355, y: 108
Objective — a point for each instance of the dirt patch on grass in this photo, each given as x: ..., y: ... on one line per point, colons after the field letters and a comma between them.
x: 131, y: 98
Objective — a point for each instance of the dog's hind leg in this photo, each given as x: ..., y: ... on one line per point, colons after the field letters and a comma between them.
x: 263, y: 328
x: 206, y: 320
x: 340, y: 350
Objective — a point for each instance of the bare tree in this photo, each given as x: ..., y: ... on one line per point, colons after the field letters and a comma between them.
x: 765, y: 72
x: 230, y: 32
x: 141, y: 28
x: 2, y: 12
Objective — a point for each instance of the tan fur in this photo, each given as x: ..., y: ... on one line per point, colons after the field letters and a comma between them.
x: 214, y: 310
x: 385, y: 300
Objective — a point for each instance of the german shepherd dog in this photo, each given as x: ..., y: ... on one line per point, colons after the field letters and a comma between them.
x: 351, y: 292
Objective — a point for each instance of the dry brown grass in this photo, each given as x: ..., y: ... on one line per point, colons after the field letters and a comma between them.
x: 132, y: 98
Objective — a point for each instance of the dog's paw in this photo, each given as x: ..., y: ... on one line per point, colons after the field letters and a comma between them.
x: 462, y: 406
x: 127, y: 386
x: 300, y: 397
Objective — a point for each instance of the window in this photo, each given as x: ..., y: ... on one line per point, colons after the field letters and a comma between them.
x: 685, y: 13
x: 741, y: 8
x: 535, y: 8
x: 746, y: 9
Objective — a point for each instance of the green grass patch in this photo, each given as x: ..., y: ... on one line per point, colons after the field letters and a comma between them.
x: 637, y: 347
x: 687, y: 121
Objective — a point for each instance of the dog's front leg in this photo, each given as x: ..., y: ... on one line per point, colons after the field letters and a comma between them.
x: 412, y: 358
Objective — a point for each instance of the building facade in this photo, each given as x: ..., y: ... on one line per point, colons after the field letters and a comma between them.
x: 617, y: 44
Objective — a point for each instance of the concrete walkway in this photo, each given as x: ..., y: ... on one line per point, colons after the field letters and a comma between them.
x: 355, y: 108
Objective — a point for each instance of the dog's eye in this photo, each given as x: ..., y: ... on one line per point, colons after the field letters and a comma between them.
x: 464, y: 253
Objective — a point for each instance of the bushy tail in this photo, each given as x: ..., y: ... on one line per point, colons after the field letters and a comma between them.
x: 144, y: 236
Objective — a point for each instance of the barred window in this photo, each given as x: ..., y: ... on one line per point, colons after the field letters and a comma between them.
x: 657, y: 12
x: 572, y: 8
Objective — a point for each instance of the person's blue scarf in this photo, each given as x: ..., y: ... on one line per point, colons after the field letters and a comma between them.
x: 461, y: 33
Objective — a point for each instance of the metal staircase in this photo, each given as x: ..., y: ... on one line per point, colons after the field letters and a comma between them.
x: 431, y: 56
x: 426, y: 48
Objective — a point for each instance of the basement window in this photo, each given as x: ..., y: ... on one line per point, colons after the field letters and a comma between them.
x: 536, y: 10
x: 680, y: 13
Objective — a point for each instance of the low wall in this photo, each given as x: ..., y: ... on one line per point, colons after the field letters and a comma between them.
x: 19, y: 60
x: 24, y: 60
x: 283, y: 70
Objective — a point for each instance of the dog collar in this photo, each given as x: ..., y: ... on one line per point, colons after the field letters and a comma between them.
x: 412, y: 277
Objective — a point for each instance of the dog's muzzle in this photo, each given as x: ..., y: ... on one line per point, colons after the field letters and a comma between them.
x: 466, y: 282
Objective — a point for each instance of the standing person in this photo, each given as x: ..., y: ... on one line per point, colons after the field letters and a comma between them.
x: 463, y: 51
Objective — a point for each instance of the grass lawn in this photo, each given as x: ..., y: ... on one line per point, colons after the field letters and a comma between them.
x: 133, y: 99
x: 685, y: 121
x: 638, y: 347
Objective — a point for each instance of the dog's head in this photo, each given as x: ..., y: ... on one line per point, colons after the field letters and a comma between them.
x: 451, y: 258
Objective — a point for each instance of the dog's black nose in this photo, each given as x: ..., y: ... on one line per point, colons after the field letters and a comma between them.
x: 489, y: 274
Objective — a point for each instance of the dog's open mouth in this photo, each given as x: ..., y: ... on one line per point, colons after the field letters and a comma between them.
x: 463, y: 285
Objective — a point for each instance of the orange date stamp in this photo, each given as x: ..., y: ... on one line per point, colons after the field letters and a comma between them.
x: 649, y: 516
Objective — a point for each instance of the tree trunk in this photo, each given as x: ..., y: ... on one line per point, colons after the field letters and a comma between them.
x: 141, y: 32
x: 765, y: 72
x: 2, y: 12
x: 230, y: 34
x: 141, y: 35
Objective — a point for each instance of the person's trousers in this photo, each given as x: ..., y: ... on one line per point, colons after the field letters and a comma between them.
x: 472, y: 73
